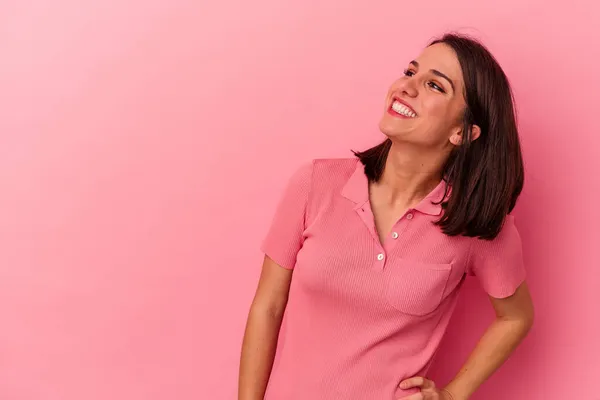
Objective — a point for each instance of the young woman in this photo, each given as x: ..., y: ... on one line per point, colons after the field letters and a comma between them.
x: 379, y: 245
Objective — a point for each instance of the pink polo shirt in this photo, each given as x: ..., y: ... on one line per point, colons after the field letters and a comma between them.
x: 364, y: 315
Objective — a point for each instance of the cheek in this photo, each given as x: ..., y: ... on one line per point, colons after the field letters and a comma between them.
x: 439, y: 119
x: 437, y: 108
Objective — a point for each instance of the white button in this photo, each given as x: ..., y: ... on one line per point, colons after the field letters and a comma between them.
x: 409, y: 216
x: 395, y: 235
x: 380, y: 256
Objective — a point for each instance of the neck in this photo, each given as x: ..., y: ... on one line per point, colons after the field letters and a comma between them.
x: 410, y: 174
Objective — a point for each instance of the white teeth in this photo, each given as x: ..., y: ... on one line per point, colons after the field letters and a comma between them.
x: 402, y: 109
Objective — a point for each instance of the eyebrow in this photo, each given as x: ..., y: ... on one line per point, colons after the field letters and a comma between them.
x: 438, y: 73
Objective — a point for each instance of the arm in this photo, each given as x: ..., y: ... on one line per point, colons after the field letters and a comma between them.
x: 262, y: 330
x: 514, y: 318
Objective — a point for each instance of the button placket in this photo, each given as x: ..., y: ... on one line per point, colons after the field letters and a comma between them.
x: 366, y: 215
x: 400, y: 226
x: 380, y: 259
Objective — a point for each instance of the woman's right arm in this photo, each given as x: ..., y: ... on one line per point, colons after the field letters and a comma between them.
x: 262, y: 330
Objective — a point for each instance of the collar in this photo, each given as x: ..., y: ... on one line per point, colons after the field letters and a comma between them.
x: 356, y: 190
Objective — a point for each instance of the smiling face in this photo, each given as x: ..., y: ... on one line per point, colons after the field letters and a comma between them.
x: 425, y: 106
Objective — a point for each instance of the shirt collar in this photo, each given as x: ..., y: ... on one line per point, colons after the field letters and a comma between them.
x: 356, y: 190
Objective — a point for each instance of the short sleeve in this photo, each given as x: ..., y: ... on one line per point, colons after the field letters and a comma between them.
x: 286, y: 234
x: 498, y: 264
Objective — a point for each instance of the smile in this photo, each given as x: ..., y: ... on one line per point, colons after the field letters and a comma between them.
x: 402, y: 109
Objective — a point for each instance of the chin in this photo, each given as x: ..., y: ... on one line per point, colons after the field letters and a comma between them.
x: 398, y: 129
x: 392, y: 131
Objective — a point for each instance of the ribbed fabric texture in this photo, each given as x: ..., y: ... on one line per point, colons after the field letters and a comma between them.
x: 364, y: 315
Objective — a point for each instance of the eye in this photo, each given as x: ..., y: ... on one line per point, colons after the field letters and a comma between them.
x: 436, y: 86
x: 408, y: 72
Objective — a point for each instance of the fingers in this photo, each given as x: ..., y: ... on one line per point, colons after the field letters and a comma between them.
x: 417, y: 381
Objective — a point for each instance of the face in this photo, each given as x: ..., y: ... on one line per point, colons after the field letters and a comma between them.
x: 425, y: 106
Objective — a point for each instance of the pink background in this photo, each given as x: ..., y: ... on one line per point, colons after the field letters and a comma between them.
x: 143, y: 147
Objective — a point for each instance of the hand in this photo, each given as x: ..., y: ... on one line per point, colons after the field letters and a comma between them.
x: 428, y: 389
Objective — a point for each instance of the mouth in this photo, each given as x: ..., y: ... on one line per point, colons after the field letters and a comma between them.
x: 399, y: 108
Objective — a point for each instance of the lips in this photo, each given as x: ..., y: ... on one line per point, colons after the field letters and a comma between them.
x: 401, y: 108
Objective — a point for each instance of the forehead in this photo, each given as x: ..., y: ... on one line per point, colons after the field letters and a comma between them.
x: 441, y: 57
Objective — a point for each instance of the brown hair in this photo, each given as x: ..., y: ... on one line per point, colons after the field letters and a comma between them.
x: 486, y: 175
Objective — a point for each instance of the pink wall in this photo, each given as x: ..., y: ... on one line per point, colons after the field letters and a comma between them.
x: 143, y: 147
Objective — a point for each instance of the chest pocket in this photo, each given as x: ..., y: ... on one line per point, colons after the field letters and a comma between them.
x: 414, y: 287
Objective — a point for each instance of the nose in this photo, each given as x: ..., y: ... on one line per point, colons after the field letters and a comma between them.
x: 409, y: 87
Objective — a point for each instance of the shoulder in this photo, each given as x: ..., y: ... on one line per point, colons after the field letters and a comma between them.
x: 507, y: 242
x: 322, y: 175
x: 508, y: 234
x: 333, y: 171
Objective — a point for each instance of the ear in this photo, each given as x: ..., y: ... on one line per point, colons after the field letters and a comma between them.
x: 475, y: 132
x: 456, y: 138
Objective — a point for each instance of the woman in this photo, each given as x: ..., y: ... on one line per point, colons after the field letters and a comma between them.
x: 380, y: 245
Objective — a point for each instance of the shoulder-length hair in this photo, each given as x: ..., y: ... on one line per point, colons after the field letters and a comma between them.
x: 485, y: 175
